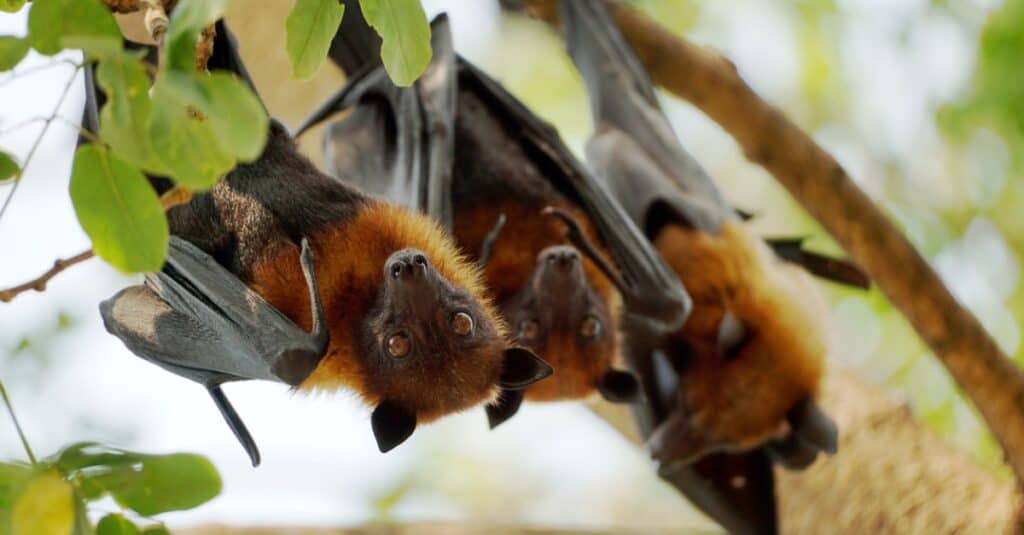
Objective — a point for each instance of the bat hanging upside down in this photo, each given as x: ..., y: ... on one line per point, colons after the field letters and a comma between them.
x: 737, y: 384
x: 282, y: 273
x: 479, y: 157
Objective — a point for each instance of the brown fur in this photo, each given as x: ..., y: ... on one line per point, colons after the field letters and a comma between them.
x: 350, y: 261
x: 526, y: 233
x: 742, y: 401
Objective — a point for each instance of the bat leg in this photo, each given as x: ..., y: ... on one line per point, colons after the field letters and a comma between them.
x: 579, y: 239
x: 505, y: 407
x: 489, y: 240
x: 831, y: 269
x: 319, y: 332
x: 235, y: 423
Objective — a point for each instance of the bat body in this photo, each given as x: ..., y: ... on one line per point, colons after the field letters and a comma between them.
x: 733, y: 388
x: 396, y: 314
x: 489, y: 159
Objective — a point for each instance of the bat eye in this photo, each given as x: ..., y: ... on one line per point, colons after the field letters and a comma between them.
x: 462, y: 324
x: 399, y: 345
x: 590, y: 328
x: 528, y: 329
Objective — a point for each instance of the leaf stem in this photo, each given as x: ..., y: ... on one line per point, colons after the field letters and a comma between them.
x: 21, y: 434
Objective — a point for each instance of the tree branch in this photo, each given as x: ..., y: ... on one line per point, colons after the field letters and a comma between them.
x: 711, y: 83
x: 171, y: 198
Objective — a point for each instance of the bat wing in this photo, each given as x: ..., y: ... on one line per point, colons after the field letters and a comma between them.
x: 636, y: 153
x: 199, y: 321
x: 356, y: 46
x: 737, y: 490
x: 396, y: 143
x: 650, y: 290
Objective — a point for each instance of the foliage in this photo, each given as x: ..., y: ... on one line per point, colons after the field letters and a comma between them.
x: 996, y: 99
x: 403, y: 27
x: 311, y: 25
x: 192, y: 127
x: 50, y: 496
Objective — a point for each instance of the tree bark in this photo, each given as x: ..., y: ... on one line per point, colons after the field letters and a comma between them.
x: 711, y: 83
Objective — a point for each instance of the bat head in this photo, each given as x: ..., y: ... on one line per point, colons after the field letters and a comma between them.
x: 562, y: 316
x: 435, y: 349
x: 750, y: 356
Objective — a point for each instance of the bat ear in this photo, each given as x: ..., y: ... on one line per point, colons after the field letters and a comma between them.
x: 505, y: 407
x: 619, y: 386
x: 392, y: 424
x: 731, y: 335
x: 812, y: 425
x: 675, y: 442
x: 522, y: 368
x: 791, y: 452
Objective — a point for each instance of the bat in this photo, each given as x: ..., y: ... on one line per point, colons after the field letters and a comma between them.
x: 282, y: 273
x: 479, y: 156
x: 735, y: 387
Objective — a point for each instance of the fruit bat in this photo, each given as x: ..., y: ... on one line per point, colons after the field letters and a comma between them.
x: 735, y: 387
x: 282, y: 273
x: 507, y: 187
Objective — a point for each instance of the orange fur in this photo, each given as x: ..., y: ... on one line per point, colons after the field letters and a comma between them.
x: 350, y: 261
x: 742, y: 401
x: 526, y: 233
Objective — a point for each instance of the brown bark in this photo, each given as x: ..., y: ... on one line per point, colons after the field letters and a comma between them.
x: 710, y: 82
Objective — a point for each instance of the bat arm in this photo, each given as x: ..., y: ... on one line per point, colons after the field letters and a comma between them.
x: 319, y: 332
x: 489, y: 240
x: 234, y: 422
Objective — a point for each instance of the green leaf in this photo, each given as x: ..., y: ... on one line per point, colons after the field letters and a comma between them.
x: 187, y: 20
x: 57, y: 24
x: 13, y: 477
x: 12, y: 51
x: 156, y: 530
x: 310, y: 27
x: 161, y: 483
x: 124, y: 120
x: 46, y: 507
x: 186, y: 144
x: 75, y: 457
x: 403, y: 27
x: 115, y: 524
x: 235, y: 115
x: 8, y: 167
x: 119, y: 211
x: 11, y: 6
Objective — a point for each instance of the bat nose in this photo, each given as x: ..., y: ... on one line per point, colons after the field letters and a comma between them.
x: 408, y: 265
x: 564, y: 258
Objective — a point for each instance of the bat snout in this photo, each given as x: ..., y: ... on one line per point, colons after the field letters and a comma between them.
x: 559, y: 263
x: 409, y: 267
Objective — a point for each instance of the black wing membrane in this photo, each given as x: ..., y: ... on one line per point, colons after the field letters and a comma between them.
x: 651, y: 292
x: 197, y: 320
x: 637, y: 155
x: 396, y: 143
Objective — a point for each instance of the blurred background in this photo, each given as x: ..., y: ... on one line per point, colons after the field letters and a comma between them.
x: 921, y: 100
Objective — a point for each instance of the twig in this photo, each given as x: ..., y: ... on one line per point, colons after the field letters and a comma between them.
x: 17, y: 426
x: 31, y: 70
x: 992, y: 381
x: 38, y: 141
x: 39, y: 283
x: 171, y: 198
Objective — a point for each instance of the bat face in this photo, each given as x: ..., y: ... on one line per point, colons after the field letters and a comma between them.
x: 751, y: 351
x: 560, y: 315
x: 433, y: 348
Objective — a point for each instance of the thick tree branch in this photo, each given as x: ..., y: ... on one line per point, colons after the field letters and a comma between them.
x: 710, y: 82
